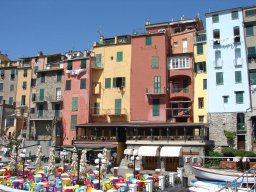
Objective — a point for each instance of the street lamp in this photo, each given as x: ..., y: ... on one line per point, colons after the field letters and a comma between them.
x: 135, y: 157
x: 23, y: 156
x: 100, y: 161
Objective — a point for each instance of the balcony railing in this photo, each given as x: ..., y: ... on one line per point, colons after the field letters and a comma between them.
x: 25, y: 65
x: 97, y: 138
x: 46, y: 114
x: 57, y: 98
x: 155, y: 91
x: 98, y: 111
x: 238, y: 62
x: 178, y: 112
x: 117, y: 111
x: 96, y: 65
x: 200, y: 38
x: 177, y: 89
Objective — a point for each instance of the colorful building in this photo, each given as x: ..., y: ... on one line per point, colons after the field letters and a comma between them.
x: 200, y: 78
x: 228, y: 89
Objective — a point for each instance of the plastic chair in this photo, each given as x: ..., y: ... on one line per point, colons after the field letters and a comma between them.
x: 80, y: 189
x: 38, y: 188
x: 16, y: 184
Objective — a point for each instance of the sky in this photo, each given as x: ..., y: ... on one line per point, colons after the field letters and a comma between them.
x: 57, y: 26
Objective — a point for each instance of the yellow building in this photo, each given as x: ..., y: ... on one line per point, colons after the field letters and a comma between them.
x: 111, y: 80
x: 200, y: 78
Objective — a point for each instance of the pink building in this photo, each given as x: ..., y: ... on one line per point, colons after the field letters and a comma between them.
x: 75, y: 89
x: 149, y: 77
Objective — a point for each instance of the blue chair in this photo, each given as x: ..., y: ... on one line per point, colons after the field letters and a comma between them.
x: 26, y: 186
x: 38, y: 188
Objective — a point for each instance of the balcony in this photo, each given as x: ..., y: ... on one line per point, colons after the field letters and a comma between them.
x: 25, y: 65
x: 200, y: 39
x: 54, y: 99
x: 21, y: 105
x: 241, y: 128
x: 117, y: 112
x: 98, y: 111
x: 96, y: 88
x: 39, y: 99
x: 155, y: 91
x: 96, y: 65
x: 181, y: 112
x: 46, y: 115
x: 238, y: 62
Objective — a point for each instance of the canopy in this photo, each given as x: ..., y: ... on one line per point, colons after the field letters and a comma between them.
x: 148, y: 151
x: 128, y: 151
x: 170, y: 151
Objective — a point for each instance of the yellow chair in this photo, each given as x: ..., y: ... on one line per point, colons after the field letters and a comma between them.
x: 76, y: 187
x: 66, y: 182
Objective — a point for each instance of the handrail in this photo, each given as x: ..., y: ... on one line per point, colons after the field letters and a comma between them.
x: 235, y: 180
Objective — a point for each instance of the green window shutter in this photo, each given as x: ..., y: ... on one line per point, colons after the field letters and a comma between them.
x: 195, y: 67
x: 215, y: 18
x: 238, y: 76
x: 33, y: 96
x: 68, y: 84
x: 200, y: 49
x: 70, y: 67
x: 204, y: 84
x: 148, y: 40
x: 219, y: 78
x: 119, y: 56
x: 157, y: 84
x: 234, y: 15
x: 123, y: 81
x: 10, y: 100
x: 118, y: 105
x: 251, y: 52
x: 239, y: 97
x: 98, y: 60
x: 107, y: 83
x: 24, y: 85
x: 73, y: 122
x: 185, y: 86
x: 59, y: 76
x: 42, y: 77
x: 11, y: 87
x: 35, y: 69
x: 1, y: 86
x: 82, y: 83
x: 154, y: 61
x: 12, y: 77
x: 41, y: 95
x: 156, y: 106
x: 1, y: 99
x: 249, y: 30
x: 204, y: 66
x: 114, y: 82
x: 251, y: 12
x: 74, y: 104
x: 83, y: 64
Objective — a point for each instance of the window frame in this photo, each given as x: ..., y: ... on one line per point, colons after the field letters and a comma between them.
x: 238, y: 76
x: 155, y: 62
x: 220, y: 78
x: 148, y: 41
x: 119, y: 56
x: 68, y: 85
x: 251, y: 27
x: 234, y: 15
x: 241, y: 94
x: 83, y: 83
x: 215, y: 18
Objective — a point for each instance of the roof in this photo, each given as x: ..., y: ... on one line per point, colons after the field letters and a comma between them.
x: 170, y: 23
x: 47, y: 55
x: 224, y: 10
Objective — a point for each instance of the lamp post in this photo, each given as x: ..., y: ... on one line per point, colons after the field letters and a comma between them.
x: 135, y: 157
x: 100, y: 161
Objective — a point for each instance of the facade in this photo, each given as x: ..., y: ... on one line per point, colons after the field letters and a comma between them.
x: 249, y: 17
x: 7, y: 119
x: 228, y: 90
x: 75, y: 93
x: 200, y: 78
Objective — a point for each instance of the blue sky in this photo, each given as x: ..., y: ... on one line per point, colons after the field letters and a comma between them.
x: 54, y: 26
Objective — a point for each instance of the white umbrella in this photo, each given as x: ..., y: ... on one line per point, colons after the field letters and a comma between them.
x: 39, y: 156
x: 13, y: 158
x: 74, y: 161
x: 83, y: 161
x: 51, y: 162
x: 104, y: 158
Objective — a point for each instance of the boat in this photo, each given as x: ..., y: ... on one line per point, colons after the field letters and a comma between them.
x: 202, y: 173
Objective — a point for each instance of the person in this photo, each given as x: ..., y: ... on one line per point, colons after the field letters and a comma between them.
x: 244, y: 160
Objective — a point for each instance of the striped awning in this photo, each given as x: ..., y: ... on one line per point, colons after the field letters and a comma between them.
x: 152, y: 151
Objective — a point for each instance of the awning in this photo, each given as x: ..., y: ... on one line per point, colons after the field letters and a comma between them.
x: 148, y: 151
x: 128, y: 151
x: 170, y: 151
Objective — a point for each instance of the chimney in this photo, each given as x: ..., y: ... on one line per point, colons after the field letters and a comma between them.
x: 101, y: 39
x: 147, y: 22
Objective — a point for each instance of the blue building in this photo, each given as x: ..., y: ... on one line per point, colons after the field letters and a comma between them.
x: 228, y: 86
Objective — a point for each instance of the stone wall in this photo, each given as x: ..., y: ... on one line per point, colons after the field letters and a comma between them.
x: 46, y: 145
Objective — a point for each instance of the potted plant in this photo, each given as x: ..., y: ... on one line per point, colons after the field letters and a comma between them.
x: 230, y: 137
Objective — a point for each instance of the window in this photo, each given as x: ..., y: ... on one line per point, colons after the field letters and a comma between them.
x: 148, y: 40
x: 33, y: 82
x: 157, y: 84
x: 69, y: 66
x: 238, y: 59
x: 200, y: 67
x: 238, y: 77
x: 200, y: 102
x: 175, y: 87
x: 12, y: 76
x: 175, y: 44
x: 249, y: 30
x: 82, y: 83
x: 35, y: 69
x: 74, y: 103
x: 24, y: 85
x: 59, y: 76
x: 11, y: 87
x: 32, y: 110
x: 154, y: 61
x: 200, y: 49
x: 33, y: 96
x: 225, y: 99
x: 216, y: 36
x: 204, y: 84
x: 25, y: 73
x: 1, y: 87
x: 201, y: 119
x: 1, y: 99
x: 239, y: 97
x: 2, y: 74
x: 219, y: 78
x: 42, y: 77
x: 250, y: 13
x: 240, y: 121
x: 236, y: 31
x: 179, y: 62
x: 177, y: 30
x: 83, y: 64
x: 41, y: 94
x: 23, y: 100
x: 119, y: 56
x: 118, y: 82
x: 185, y: 85
x: 98, y: 60
x: 118, y: 106
x: 10, y: 100
x: 215, y: 18
x: 184, y: 46
x: 107, y: 83
x: 68, y: 85
x: 251, y: 52
x: 96, y: 108
x: 253, y: 78
x: 218, y: 61
x: 73, y: 121
x: 234, y: 15
x: 156, y: 107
